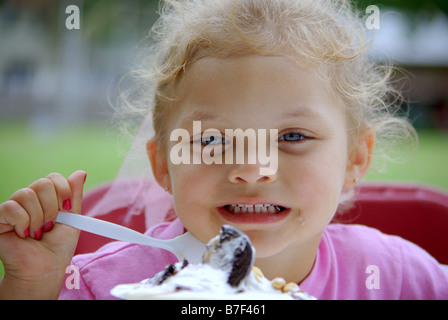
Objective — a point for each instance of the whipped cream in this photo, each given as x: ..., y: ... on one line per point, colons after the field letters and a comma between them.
x: 226, y: 272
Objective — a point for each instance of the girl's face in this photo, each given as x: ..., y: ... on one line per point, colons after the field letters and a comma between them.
x: 256, y: 92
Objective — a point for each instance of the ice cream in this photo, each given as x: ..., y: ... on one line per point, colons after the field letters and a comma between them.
x: 227, y: 271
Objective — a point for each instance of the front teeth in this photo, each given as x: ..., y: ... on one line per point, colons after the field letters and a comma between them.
x: 258, y: 208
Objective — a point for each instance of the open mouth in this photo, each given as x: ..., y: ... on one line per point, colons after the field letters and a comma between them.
x: 253, y: 213
x: 256, y: 208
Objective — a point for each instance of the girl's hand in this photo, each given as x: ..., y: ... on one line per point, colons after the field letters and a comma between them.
x: 35, y: 251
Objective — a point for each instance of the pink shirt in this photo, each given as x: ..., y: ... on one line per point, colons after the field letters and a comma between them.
x: 353, y: 262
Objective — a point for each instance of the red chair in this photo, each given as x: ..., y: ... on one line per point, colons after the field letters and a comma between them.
x: 416, y: 213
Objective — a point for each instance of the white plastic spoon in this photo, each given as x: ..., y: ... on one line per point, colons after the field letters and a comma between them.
x: 184, y: 246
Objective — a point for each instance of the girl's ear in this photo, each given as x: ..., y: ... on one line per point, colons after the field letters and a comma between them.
x: 159, y: 164
x: 360, y: 160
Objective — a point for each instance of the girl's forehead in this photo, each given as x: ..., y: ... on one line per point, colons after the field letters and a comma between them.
x: 274, y: 86
x: 273, y: 65
x: 274, y: 76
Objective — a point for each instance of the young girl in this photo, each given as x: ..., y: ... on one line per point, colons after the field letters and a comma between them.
x: 298, y: 67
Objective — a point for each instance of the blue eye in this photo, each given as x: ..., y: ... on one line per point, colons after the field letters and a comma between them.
x: 212, y: 140
x: 292, y: 137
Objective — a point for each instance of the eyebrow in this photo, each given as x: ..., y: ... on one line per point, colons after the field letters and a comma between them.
x: 301, y: 113
x: 201, y: 115
x: 196, y: 115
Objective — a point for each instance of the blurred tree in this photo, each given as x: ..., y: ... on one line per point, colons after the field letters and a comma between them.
x: 411, y: 5
x: 102, y: 14
x: 408, y: 6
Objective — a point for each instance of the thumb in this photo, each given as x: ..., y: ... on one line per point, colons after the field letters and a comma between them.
x: 76, y: 182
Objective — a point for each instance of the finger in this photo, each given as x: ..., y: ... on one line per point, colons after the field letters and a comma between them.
x: 63, y: 191
x: 46, y: 192
x: 76, y: 181
x: 29, y: 201
x: 14, y: 217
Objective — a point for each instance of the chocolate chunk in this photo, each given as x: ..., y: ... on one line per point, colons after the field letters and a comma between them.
x: 242, y: 265
x: 229, y: 233
x: 184, y: 264
x: 231, y: 252
x: 168, y: 272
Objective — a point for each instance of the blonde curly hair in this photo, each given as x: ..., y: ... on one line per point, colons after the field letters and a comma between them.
x: 320, y: 33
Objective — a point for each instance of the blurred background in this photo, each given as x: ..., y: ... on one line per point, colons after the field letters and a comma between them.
x: 57, y: 84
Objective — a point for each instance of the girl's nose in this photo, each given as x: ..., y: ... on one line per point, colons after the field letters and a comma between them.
x: 249, y: 173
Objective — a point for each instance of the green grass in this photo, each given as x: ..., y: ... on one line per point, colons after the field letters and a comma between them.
x: 428, y: 165
x: 27, y: 155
